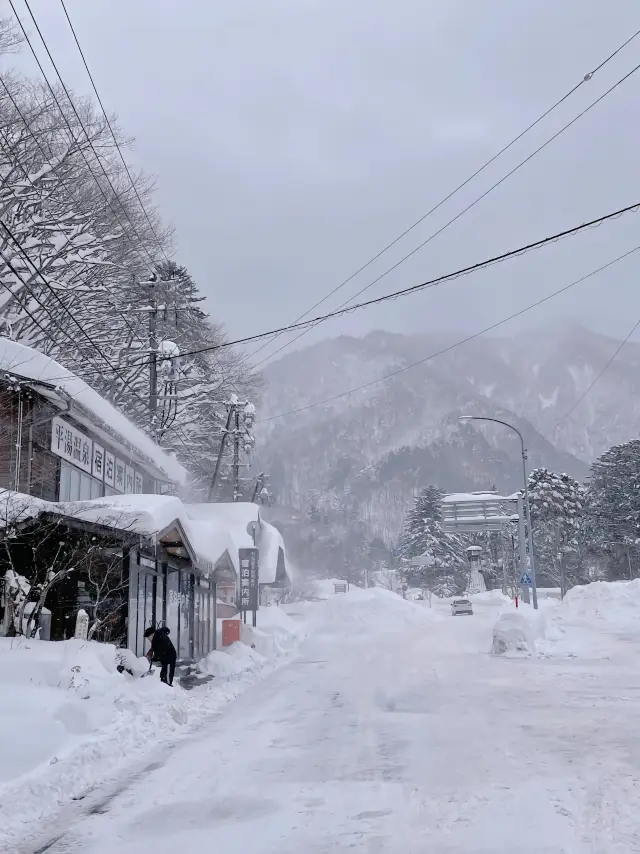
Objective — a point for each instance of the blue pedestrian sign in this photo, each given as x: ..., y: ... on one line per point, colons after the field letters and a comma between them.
x: 525, y: 578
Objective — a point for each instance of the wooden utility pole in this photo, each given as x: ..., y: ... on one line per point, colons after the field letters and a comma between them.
x: 223, y: 442
x: 236, y: 455
x: 153, y: 357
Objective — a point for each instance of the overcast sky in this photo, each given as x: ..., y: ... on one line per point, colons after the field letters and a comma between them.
x: 293, y: 139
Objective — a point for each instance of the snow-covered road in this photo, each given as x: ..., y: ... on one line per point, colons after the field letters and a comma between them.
x: 395, y: 731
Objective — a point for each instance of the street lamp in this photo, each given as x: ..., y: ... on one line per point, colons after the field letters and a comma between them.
x: 532, y: 568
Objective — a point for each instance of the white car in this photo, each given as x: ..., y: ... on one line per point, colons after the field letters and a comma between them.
x: 461, y: 606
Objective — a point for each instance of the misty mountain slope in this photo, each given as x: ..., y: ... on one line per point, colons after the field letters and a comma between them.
x: 538, y: 376
x: 384, y: 442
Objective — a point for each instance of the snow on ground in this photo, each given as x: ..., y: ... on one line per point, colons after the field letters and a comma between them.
x: 395, y: 730
x: 588, y: 623
x: 69, y: 721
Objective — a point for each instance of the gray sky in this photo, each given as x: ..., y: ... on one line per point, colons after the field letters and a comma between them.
x: 293, y: 139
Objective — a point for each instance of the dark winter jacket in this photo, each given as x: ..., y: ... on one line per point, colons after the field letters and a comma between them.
x: 161, y: 647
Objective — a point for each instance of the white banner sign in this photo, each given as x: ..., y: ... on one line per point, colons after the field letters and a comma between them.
x: 119, y: 483
x: 70, y: 444
x: 109, y: 469
x: 98, y: 461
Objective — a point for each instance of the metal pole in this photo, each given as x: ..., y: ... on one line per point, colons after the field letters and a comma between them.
x: 522, y: 542
x: 532, y: 567
x: 563, y: 581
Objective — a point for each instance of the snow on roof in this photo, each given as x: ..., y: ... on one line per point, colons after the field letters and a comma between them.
x: 270, y: 544
x: 27, y: 363
x: 212, y: 529
x: 456, y: 497
x: 142, y: 514
x: 235, y: 519
x: 214, y: 539
x: 147, y: 515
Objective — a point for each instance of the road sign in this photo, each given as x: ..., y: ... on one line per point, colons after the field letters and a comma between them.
x: 525, y: 578
x: 248, y: 579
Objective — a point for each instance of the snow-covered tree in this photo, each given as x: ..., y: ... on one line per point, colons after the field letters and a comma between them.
x: 557, y: 511
x: 423, y: 535
x: 83, y: 262
x: 613, y: 509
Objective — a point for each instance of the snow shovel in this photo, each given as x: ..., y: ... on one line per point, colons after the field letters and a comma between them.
x: 149, y: 671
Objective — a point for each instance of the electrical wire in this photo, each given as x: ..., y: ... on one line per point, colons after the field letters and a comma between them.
x: 141, y: 245
x: 453, y: 346
x: 430, y: 283
x: 133, y: 331
x: 104, y: 112
x: 587, y: 77
x: 596, y: 379
x: 62, y: 303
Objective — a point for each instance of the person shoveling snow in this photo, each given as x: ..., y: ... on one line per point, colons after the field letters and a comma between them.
x: 162, y: 650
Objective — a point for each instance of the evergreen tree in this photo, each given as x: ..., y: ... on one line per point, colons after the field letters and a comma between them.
x: 423, y: 535
x: 557, y: 512
x: 613, y: 509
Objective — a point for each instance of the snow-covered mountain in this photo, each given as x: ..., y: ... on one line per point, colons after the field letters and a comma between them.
x: 390, y: 438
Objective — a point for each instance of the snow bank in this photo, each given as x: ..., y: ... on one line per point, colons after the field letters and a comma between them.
x: 518, y: 629
x: 69, y: 721
x: 609, y: 601
x: 593, y: 620
x: 489, y: 597
x: 374, y: 609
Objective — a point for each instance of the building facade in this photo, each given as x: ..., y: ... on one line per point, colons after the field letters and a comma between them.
x: 61, y: 445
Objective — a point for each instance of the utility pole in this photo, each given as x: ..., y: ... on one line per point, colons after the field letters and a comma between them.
x: 223, y: 442
x: 259, y: 484
x: 236, y: 455
x: 153, y: 356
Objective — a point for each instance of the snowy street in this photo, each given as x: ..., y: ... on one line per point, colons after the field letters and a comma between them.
x: 395, y: 730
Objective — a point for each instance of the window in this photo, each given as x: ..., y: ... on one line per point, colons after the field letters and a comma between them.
x: 65, y: 482
x: 96, y: 488
x: 85, y: 487
x: 74, y: 490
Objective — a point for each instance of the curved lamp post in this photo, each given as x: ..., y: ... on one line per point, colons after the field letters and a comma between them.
x: 532, y: 568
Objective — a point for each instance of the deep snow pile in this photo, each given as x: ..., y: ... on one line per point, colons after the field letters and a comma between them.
x: 518, y: 629
x: 591, y: 621
x: 69, y: 721
x: 371, y: 608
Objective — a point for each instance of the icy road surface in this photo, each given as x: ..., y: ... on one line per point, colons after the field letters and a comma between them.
x: 396, y: 731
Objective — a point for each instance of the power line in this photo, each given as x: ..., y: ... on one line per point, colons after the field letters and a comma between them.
x: 48, y: 285
x: 431, y: 283
x: 598, y: 377
x: 104, y: 112
x: 62, y: 303
x: 587, y: 77
x: 454, y: 345
x: 26, y: 175
x: 84, y: 130
x: 68, y: 334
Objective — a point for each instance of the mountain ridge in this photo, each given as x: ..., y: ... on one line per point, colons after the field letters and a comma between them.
x: 385, y: 441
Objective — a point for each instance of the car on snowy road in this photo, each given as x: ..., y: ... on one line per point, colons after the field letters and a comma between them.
x: 461, y: 606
